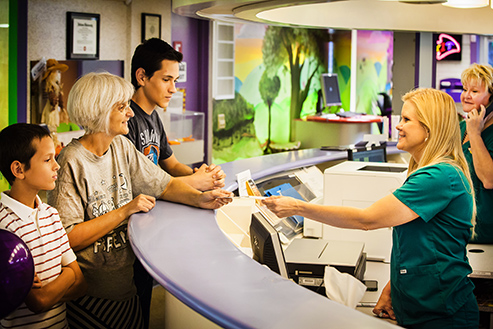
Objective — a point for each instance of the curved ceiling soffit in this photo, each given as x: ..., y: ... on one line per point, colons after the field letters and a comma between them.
x: 389, y: 15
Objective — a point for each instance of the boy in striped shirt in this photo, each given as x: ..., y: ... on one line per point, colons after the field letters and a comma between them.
x: 27, y: 161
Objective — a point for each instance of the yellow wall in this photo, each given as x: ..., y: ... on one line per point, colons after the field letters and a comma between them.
x: 4, y: 74
x: 4, y: 63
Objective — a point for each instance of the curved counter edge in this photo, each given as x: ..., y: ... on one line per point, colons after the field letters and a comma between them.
x: 274, y: 163
x: 184, y: 249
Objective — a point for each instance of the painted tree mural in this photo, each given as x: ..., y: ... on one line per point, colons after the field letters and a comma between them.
x: 269, y: 89
x: 292, y: 48
x: 247, y: 128
x: 237, y: 139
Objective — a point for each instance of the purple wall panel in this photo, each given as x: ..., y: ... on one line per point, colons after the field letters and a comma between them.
x: 474, y: 48
x: 184, y: 29
x: 194, y: 36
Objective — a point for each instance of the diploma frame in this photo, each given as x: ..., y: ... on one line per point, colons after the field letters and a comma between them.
x: 83, y: 35
x: 151, y: 26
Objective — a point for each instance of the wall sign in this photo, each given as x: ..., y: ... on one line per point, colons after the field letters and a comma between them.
x: 449, y: 47
x: 178, y: 45
x: 151, y: 26
x: 182, y: 72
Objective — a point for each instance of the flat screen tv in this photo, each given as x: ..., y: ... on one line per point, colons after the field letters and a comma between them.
x: 266, y: 245
x: 330, y: 89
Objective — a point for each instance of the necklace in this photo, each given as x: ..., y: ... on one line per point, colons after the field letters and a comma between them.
x: 464, y: 136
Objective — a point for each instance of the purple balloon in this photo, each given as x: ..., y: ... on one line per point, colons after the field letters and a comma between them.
x: 16, y: 272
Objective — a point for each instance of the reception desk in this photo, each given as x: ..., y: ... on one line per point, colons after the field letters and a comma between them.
x: 184, y: 249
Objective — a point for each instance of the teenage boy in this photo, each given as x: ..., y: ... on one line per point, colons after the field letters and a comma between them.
x: 27, y: 161
x: 154, y: 72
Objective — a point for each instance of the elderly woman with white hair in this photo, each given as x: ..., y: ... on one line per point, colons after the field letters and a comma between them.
x: 103, y: 180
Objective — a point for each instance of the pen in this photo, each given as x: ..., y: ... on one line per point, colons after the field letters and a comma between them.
x: 241, y: 197
x: 257, y: 197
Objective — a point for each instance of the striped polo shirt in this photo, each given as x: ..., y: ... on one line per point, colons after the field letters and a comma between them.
x: 40, y: 228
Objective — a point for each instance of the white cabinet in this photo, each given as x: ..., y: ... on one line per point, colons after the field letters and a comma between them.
x: 223, y: 54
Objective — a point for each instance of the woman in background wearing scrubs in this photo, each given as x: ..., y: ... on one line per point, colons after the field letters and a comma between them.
x: 431, y: 214
x: 477, y: 143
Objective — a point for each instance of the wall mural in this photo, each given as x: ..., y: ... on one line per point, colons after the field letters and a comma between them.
x: 258, y: 118
x: 374, y: 75
x: 342, y: 66
x: 273, y: 63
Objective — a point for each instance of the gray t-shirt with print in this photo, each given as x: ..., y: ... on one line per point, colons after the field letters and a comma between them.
x: 89, y: 186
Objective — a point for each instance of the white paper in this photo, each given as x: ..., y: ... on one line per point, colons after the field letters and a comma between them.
x: 343, y: 287
x: 242, y: 178
x: 85, y: 36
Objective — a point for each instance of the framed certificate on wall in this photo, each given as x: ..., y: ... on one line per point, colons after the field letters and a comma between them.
x: 82, y: 35
x: 151, y: 26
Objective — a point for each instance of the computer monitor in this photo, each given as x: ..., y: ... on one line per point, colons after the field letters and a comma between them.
x: 330, y: 89
x: 374, y: 154
x: 266, y: 245
x: 287, y: 184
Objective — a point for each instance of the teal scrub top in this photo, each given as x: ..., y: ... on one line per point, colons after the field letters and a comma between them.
x: 484, y: 197
x: 429, y: 266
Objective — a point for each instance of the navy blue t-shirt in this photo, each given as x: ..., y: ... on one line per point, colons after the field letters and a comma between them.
x: 147, y: 134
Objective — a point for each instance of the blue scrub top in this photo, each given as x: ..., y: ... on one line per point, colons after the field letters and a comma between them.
x: 429, y: 266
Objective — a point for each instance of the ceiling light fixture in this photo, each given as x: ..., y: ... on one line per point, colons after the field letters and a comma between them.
x: 423, y: 2
x: 466, y: 3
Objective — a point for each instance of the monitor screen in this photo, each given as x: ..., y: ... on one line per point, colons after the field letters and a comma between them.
x: 330, y: 89
x: 266, y: 245
x: 375, y: 154
x: 287, y: 185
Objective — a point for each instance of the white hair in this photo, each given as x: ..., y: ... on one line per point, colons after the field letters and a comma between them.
x: 94, y: 96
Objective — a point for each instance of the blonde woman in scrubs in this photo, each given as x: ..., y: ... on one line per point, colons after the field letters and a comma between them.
x: 477, y: 143
x: 431, y: 214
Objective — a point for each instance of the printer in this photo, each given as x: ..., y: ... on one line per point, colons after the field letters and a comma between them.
x: 306, y: 260
x: 359, y: 184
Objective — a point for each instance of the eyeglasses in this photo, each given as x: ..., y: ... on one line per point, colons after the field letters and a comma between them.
x: 122, y: 108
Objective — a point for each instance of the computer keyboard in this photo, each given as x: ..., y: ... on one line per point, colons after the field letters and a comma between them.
x: 349, y: 114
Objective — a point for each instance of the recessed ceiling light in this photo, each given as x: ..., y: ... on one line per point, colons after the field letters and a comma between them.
x: 466, y: 3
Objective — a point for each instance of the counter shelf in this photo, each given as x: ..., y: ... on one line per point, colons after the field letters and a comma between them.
x: 184, y: 249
